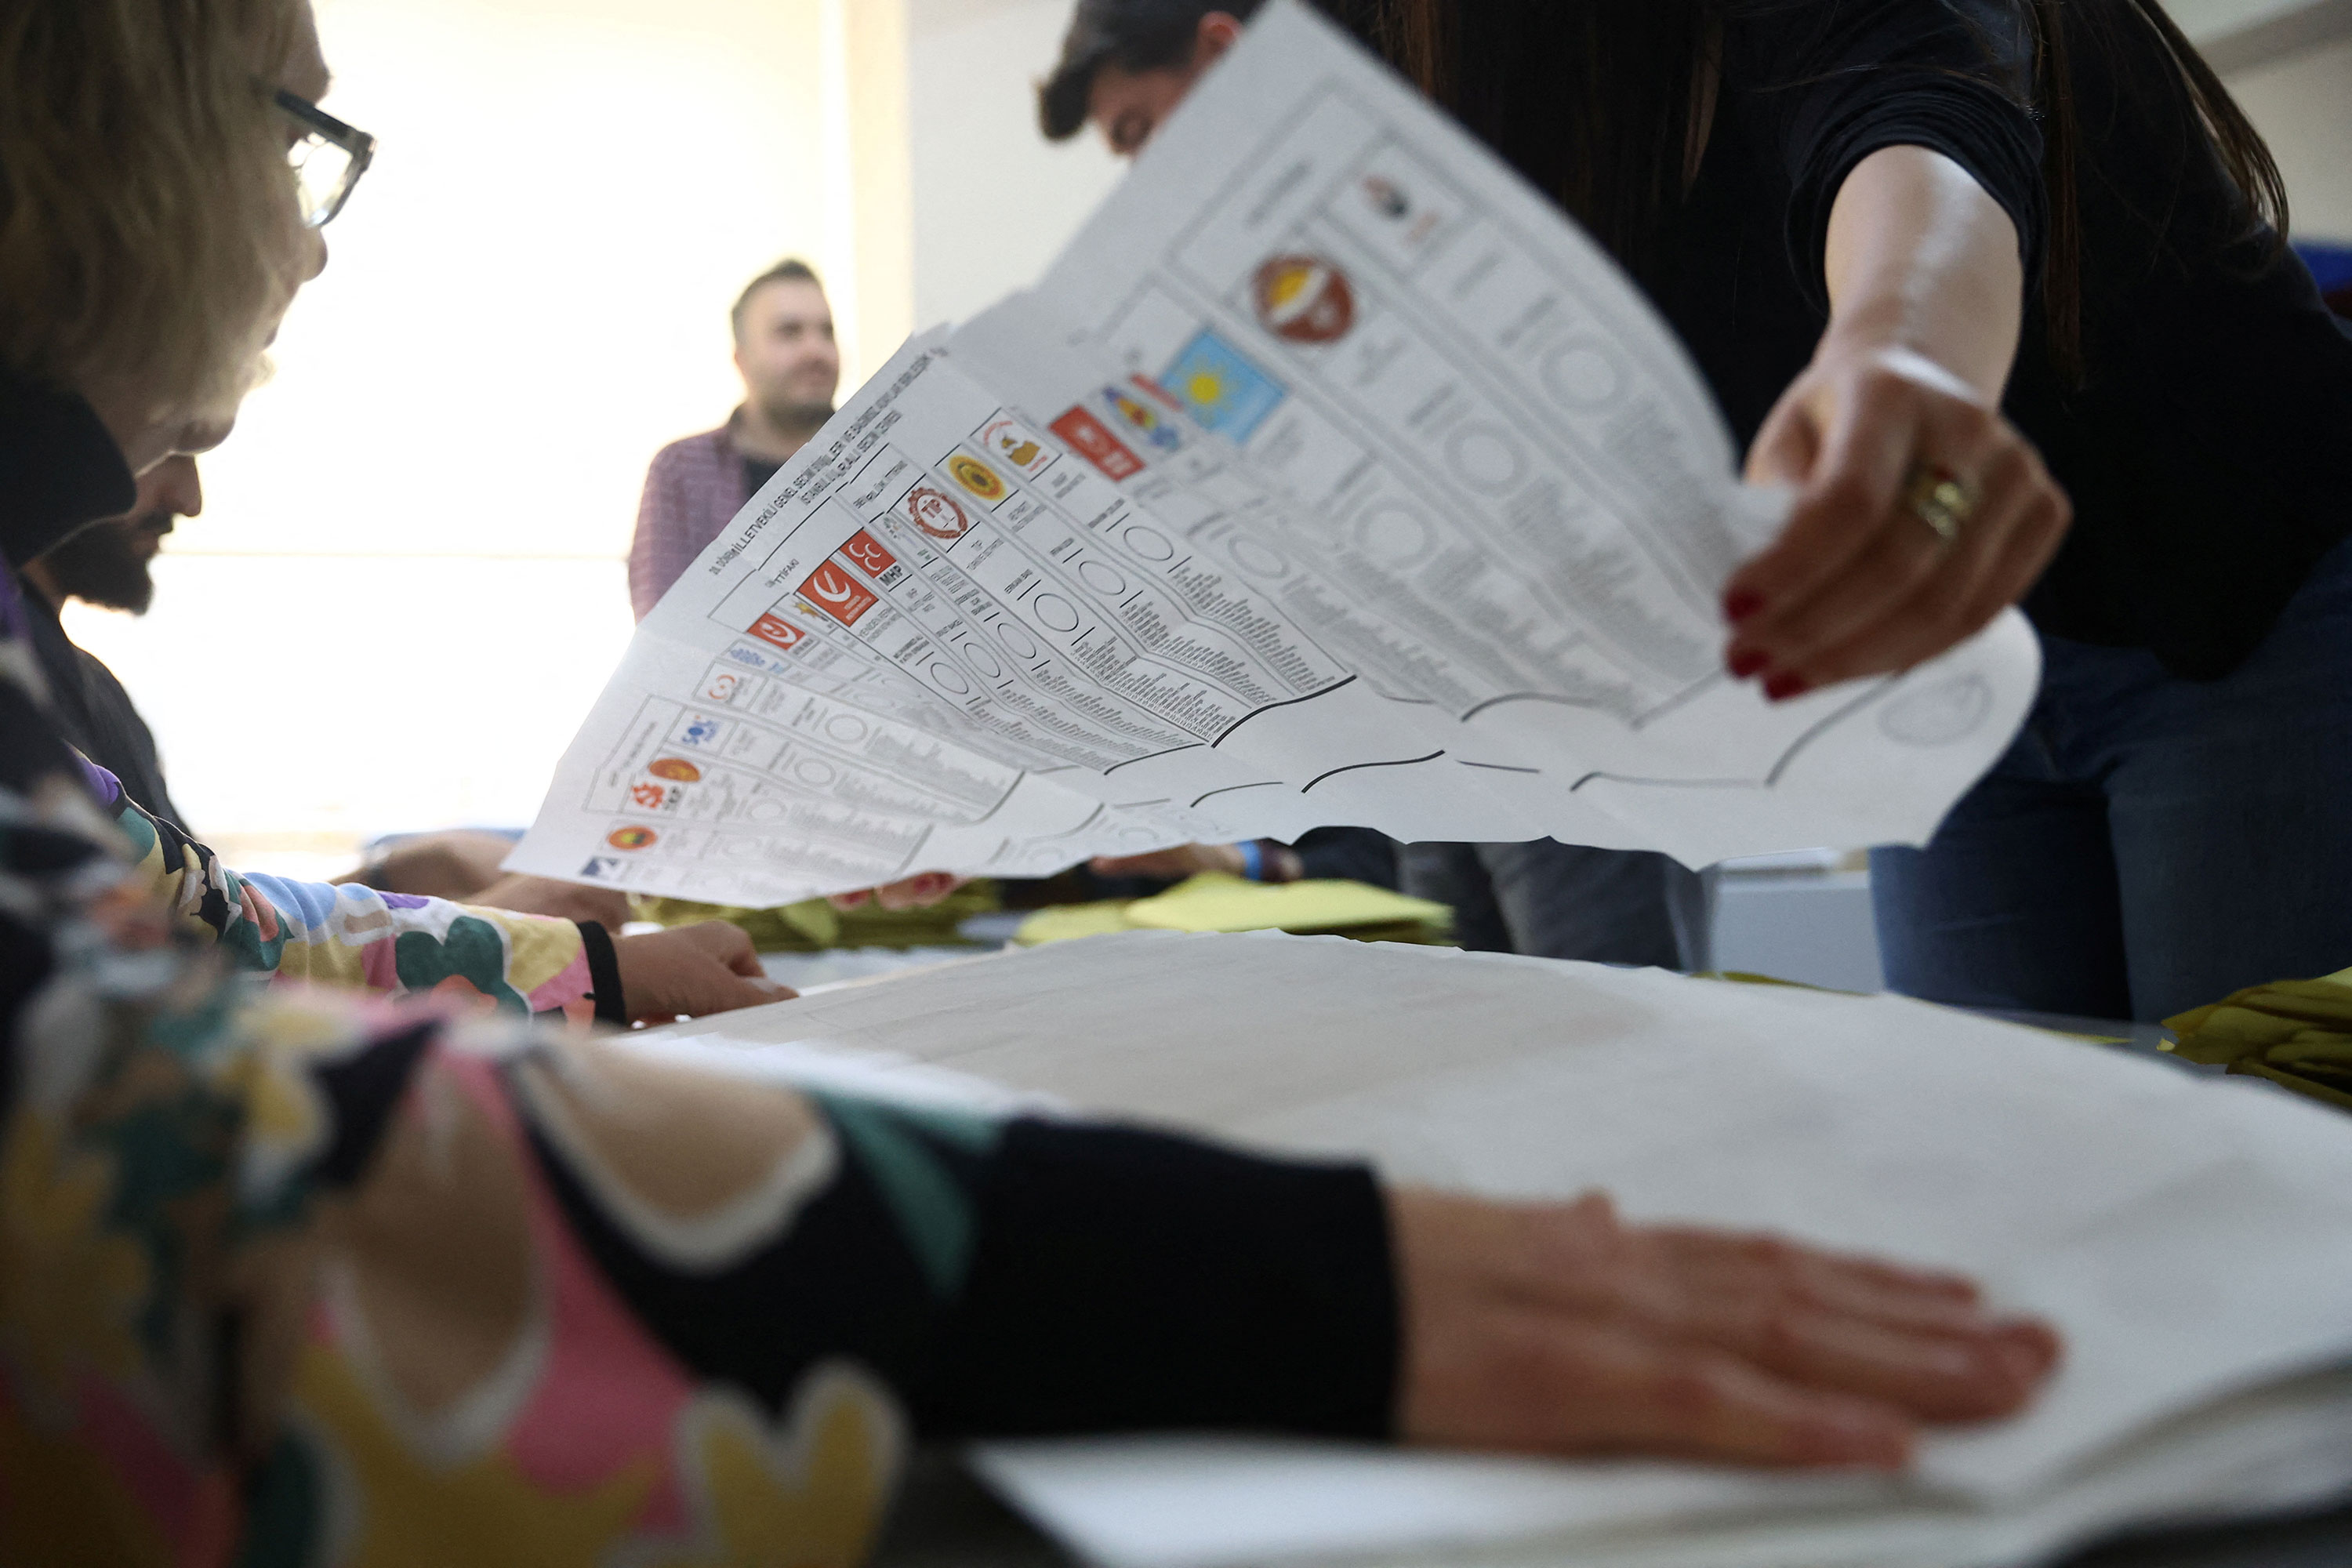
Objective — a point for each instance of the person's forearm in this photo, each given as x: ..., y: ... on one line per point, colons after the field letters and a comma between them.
x: 1126, y: 1278
x: 1920, y: 258
x: 1035, y: 1276
x: 354, y: 937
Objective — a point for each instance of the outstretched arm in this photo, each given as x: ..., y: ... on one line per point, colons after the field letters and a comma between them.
x: 1927, y: 293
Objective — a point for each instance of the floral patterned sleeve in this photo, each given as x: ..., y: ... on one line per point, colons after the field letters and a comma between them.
x: 298, y: 1276
x: 342, y: 934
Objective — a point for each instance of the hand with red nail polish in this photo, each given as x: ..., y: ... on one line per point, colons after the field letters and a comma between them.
x: 1780, y: 687
x: 1857, y: 584
x: 1871, y: 574
x: 1745, y: 662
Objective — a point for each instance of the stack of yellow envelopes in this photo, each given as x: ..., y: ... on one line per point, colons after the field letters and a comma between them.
x: 1213, y: 901
x: 814, y: 925
x: 2295, y: 1032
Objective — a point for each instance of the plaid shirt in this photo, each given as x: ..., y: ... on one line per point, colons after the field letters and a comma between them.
x: 693, y: 490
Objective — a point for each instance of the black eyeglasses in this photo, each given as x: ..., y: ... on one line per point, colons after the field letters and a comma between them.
x: 328, y: 158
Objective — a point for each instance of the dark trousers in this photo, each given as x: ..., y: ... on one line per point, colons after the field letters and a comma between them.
x: 2149, y: 843
x: 1564, y: 900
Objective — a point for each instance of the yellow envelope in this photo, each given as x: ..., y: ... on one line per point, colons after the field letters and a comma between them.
x: 1214, y: 902
x: 1063, y: 923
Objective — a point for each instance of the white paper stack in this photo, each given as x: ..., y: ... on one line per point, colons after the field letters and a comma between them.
x: 2191, y: 1237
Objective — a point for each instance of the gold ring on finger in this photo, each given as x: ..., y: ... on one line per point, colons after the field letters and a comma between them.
x: 1940, y: 499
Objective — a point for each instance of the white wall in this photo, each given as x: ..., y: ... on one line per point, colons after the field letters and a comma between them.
x: 529, y: 291
x: 2204, y: 20
x: 994, y: 200
x: 2302, y: 106
x: 303, y: 702
x: 2289, y: 64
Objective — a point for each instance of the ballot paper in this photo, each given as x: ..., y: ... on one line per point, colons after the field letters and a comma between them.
x: 1329, y: 477
x: 2191, y: 1237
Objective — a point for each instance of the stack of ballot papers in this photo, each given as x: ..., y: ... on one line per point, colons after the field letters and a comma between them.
x: 2190, y: 1236
x: 1331, y: 475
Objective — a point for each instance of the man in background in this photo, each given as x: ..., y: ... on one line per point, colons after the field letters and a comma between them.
x: 790, y: 368
x: 109, y: 564
x: 1126, y: 65
x: 784, y: 351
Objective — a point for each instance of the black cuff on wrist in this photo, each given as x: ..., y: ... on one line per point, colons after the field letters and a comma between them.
x: 604, y: 972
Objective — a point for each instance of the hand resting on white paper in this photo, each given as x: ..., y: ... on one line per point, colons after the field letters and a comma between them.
x: 692, y: 970
x: 1545, y: 1328
x: 1554, y: 1327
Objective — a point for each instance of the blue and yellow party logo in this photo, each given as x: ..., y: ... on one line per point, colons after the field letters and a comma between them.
x: 1222, y: 387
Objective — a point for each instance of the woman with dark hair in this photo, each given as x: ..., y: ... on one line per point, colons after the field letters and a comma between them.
x: 1953, y: 268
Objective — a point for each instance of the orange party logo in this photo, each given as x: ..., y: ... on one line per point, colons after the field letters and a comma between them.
x: 1304, y: 299
x: 976, y: 476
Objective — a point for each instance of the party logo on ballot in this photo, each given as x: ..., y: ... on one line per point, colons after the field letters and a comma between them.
x: 833, y: 590
x: 773, y: 628
x: 1091, y: 439
x: 866, y: 552
x: 1304, y: 299
x: 1012, y: 443
x: 937, y: 513
x: 976, y: 476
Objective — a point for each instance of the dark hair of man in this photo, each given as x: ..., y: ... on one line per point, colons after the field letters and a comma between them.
x: 790, y: 269
x: 1134, y: 36
x: 1597, y: 103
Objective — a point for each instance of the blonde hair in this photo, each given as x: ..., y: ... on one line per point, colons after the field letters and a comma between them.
x: 147, y: 218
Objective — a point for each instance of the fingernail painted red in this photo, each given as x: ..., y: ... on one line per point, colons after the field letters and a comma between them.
x: 1746, y: 662
x: 1780, y: 687
x: 1737, y: 607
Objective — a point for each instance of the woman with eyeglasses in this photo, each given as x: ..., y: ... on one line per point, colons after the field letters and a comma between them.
x: 287, y: 1278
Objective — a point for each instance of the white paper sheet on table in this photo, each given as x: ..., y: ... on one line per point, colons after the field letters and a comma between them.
x: 2192, y: 1236
x: 1331, y: 476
